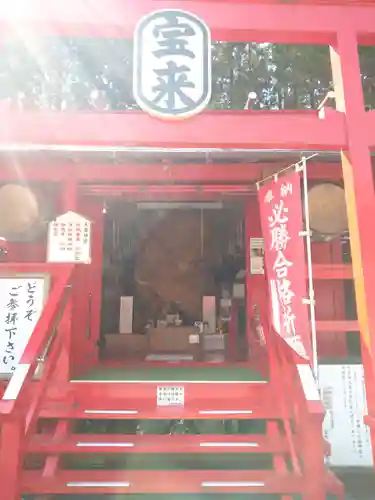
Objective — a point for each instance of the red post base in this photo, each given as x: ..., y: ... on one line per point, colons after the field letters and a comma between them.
x: 10, y: 459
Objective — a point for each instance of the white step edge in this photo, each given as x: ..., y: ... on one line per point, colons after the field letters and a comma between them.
x: 97, y: 484
x: 82, y: 444
x: 229, y: 445
x: 232, y: 484
x: 168, y: 382
x: 225, y: 412
x: 111, y: 412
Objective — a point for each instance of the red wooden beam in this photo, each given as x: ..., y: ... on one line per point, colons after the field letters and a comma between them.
x: 162, y: 481
x: 337, y: 326
x: 332, y: 272
x: 106, y: 411
x: 54, y: 170
x: 188, y: 197
x: 369, y: 128
x: 291, y: 23
x: 251, y: 130
x: 157, y: 444
x: 166, y: 189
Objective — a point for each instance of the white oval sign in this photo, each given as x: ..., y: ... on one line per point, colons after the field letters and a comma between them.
x: 172, y: 64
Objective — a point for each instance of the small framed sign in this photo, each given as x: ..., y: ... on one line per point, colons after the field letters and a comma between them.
x: 69, y: 239
x: 170, y: 396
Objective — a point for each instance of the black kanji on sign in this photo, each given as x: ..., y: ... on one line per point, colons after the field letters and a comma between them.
x: 11, y: 318
x: 172, y: 81
x: 172, y: 65
x: 11, y: 332
x: 172, y: 37
x: 13, y: 304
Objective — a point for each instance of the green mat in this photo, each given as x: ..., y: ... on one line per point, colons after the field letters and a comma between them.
x: 173, y: 374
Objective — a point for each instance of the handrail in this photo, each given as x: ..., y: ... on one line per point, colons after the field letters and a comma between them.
x: 42, y: 340
x: 46, y: 350
x: 287, y: 424
x: 284, y: 371
x: 52, y: 351
x: 276, y: 364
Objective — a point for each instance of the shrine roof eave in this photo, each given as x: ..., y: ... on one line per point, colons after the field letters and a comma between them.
x: 228, y: 21
x: 242, y: 130
x: 51, y: 155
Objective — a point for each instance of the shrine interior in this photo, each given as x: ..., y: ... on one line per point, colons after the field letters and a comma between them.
x: 172, y: 272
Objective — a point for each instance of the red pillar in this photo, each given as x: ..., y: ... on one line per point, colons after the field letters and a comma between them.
x: 359, y: 189
x: 256, y: 285
x: 11, y: 458
x: 69, y: 192
x: 88, y: 286
x: 68, y: 202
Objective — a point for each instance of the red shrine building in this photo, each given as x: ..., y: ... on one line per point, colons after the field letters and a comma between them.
x: 186, y: 293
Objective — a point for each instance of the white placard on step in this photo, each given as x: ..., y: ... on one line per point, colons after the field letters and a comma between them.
x: 342, y: 389
x: 170, y: 396
x: 69, y: 239
x: 21, y: 304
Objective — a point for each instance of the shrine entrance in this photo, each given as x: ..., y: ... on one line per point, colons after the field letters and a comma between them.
x: 173, y: 285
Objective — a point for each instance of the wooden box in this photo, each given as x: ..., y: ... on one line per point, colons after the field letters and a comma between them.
x: 126, y: 345
x: 178, y: 339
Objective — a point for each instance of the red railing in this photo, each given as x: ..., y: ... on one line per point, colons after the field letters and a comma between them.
x: 301, y: 410
x: 23, y: 397
x: 43, y: 340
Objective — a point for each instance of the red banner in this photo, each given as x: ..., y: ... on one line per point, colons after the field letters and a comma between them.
x: 284, y: 254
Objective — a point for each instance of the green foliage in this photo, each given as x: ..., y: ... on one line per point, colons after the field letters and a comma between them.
x: 81, y: 73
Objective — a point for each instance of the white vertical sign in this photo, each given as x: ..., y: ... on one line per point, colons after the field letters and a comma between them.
x: 256, y: 256
x: 343, y: 393
x: 69, y: 239
x: 21, y: 304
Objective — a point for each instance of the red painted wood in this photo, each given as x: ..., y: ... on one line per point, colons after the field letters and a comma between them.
x: 157, y: 444
x: 52, y: 462
x: 11, y: 458
x: 256, y: 290
x: 43, y: 168
x: 15, y: 402
x: 279, y: 461
x: 274, y: 23
x: 337, y: 326
x: 332, y: 271
x: 231, y: 395
x: 128, y: 411
x: 330, y: 303
x: 348, y: 87
x: 48, y: 317
x: 164, y: 482
x: 87, y: 299
x: 313, y: 460
x: 27, y: 251
x: 301, y: 130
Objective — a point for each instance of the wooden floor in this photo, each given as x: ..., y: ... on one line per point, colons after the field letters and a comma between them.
x: 144, y: 373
